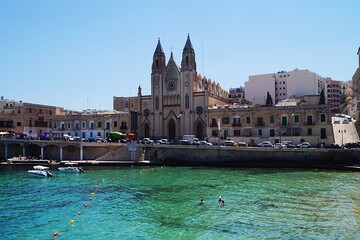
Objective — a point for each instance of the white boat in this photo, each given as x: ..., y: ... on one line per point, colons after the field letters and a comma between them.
x: 71, y: 168
x: 40, y: 171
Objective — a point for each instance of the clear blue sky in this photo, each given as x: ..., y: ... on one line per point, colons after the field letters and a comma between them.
x: 79, y: 54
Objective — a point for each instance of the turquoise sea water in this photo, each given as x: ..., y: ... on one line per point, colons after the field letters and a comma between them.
x: 162, y: 203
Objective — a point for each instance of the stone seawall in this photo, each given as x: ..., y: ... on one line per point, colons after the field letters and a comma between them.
x: 251, y: 157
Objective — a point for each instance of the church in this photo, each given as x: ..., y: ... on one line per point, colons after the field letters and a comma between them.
x: 179, y: 100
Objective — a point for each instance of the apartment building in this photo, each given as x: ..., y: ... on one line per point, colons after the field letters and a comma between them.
x: 282, y: 85
x: 90, y: 124
x: 311, y: 123
x: 29, y: 118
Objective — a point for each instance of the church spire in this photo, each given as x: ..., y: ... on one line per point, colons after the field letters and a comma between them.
x: 158, y: 65
x: 188, y: 57
x: 188, y: 44
x: 159, y: 48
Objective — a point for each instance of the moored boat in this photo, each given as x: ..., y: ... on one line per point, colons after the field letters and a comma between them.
x: 71, y: 167
x: 40, y: 171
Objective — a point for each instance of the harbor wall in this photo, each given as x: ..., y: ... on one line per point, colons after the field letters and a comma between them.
x: 251, y: 157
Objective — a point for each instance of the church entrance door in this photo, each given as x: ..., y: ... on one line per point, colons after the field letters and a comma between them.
x: 147, y: 130
x: 199, y: 130
x: 172, y: 129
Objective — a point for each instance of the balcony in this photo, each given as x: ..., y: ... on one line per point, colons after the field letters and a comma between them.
x: 309, y: 123
x: 259, y: 124
x: 236, y: 124
x: 213, y: 125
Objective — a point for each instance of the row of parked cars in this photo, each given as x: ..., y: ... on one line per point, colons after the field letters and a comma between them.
x: 284, y: 144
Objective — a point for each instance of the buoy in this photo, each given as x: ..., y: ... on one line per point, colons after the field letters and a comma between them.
x: 56, y: 234
x: 79, y: 213
x: 71, y: 222
x: 91, y: 199
x: 93, y: 194
x: 85, y: 205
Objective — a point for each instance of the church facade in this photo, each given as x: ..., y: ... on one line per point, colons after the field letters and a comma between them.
x: 179, y: 100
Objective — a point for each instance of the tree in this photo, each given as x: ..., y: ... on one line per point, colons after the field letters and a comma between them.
x: 269, y: 100
x: 322, y: 97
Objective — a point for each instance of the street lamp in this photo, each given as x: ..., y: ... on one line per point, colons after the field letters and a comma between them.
x: 342, y: 137
x: 291, y: 129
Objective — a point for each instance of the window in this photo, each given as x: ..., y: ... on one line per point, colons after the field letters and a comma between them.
x: 248, y: 120
x: 55, y: 125
x: 19, y: 112
x: 91, y: 125
x: 213, y: 123
x: 91, y: 134
x: 323, y: 133
x: 187, y: 102
x: 77, y: 126
x: 284, y: 121
x: 30, y: 110
x: 237, y: 122
x: 83, y: 124
x: 296, y: 118
x: 99, y: 124
x: 18, y: 124
x: 272, y: 119
x: 309, y: 131
x: 68, y: 125
x: 50, y: 113
x: 108, y: 125
x: 156, y: 102
x: 214, y: 133
x: 115, y: 124
x: 225, y: 120
x: 260, y: 121
x: 83, y: 135
x: 126, y: 104
x: 272, y: 132
x: 237, y: 133
x: 187, y: 61
x: 322, y: 117
x: 62, y: 127
x: 259, y: 132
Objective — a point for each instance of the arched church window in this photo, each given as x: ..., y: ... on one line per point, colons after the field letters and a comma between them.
x: 156, y: 102
x: 187, y: 61
x: 187, y: 103
x: 157, y: 63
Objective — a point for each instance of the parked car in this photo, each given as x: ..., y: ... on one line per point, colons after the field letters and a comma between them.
x: 280, y: 145
x: 205, y: 143
x: 242, y: 144
x: 304, y: 145
x: 352, y: 145
x: 99, y: 139
x: 184, y: 142
x: 333, y: 145
x: 229, y: 143
x: 162, y: 141
x: 265, y: 144
x: 147, y: 141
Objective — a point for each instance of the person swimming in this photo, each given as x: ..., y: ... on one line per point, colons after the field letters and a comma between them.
x: 201, y: 202
x: 222, y: 203
x: 219, y: 199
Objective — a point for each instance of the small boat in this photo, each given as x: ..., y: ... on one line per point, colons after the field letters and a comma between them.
x: 40, y: 171
x: 71, y: 168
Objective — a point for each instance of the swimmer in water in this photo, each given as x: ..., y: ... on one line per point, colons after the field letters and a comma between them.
x: 201, y: 202
x: 222, y: 203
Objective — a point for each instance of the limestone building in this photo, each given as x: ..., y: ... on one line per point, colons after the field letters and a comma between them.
x: 179, y: 98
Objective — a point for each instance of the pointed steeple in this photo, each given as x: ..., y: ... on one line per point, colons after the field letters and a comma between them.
x: 172, y: 70
x: 159, y: 48
x: 188, y: 44
x: 158, y: 66
x: 188, y: 57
